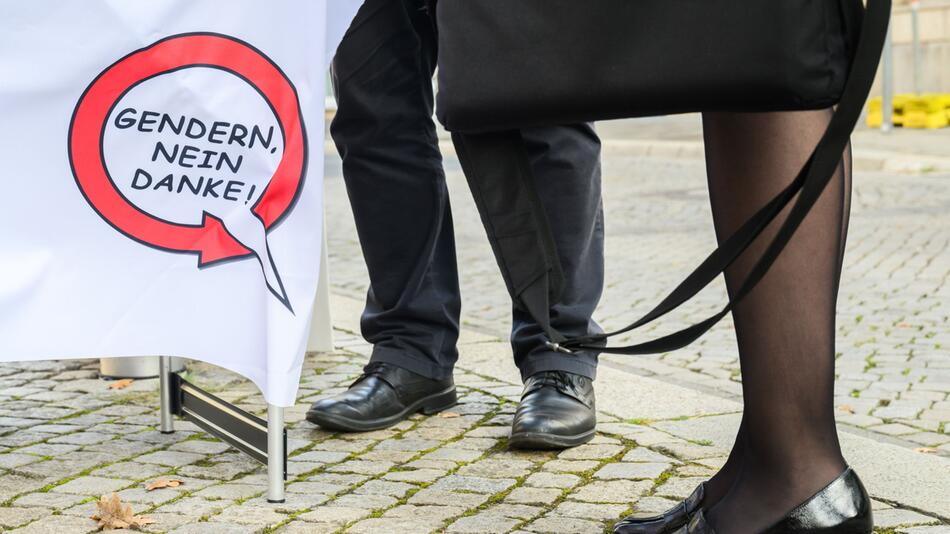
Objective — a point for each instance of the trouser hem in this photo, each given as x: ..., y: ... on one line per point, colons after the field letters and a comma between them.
x: 583, y: 364
x: 410, y: 362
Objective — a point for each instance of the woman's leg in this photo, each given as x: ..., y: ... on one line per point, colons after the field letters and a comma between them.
x: 786, y: 326
x: 717, y: 487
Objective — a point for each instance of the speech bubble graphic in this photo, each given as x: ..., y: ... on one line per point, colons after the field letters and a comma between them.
x: 218, y: 236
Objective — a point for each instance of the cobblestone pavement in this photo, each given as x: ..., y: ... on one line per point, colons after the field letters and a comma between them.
x: 66, y: 438
x: 451, y: 471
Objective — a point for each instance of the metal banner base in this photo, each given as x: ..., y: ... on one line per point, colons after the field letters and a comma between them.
x: 265, y: 441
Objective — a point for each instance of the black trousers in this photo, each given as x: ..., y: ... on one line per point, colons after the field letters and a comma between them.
x: 392, y: 166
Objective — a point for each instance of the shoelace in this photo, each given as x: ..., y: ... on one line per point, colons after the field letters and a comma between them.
x: 373, y: 368
x: 558, y: 379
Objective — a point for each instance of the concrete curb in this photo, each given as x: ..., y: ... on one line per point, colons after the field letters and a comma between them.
x: 864, y: 159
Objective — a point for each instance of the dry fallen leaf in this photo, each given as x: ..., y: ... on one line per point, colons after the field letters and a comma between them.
x: 121, y: 384
x: 846, y: 408
x: 449, y: 415
x: 112, y: 514
x: 926, y: 450
x: 163, y: 483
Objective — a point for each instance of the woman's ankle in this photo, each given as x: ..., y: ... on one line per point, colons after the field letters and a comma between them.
x: 718, y: 486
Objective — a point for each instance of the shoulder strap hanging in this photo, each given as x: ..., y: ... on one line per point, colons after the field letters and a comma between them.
x: 482, y: 165
x: 502, y: 185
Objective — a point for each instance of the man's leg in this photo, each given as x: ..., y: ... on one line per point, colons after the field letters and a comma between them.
x: 393, y: 171
x: 384, y: 132
x: 566, y: 164
x: 557, y: 408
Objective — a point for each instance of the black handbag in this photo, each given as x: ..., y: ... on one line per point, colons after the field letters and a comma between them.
x: 510, y: 64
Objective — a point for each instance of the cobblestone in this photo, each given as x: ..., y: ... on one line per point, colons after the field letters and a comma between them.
x: 614, y: 491
x: 215, y: 528
x: 49, y: 500
x: 483, y: 523
x: 900, y: 518
x: 448, y: 498
x: 338, y: 515
x: 583, y: 510
x: 561, y: 525
x: 382, y: 487
x: 92, y: 486
x: 58, y: 524
x: 11, y: 517
x: 497, y: 468
x: 200, y: 447
x: 231, y: 492
x: 171, y: 458
x: 632, y: 471
x: 550, y: 480
x: 194, y: 507
x: 541, y: 496
x: 394, y: 525
x: 473, y: 484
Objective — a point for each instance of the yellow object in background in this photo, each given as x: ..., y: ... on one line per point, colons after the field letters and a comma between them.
x: 929, y: 111
x: 926, y: 111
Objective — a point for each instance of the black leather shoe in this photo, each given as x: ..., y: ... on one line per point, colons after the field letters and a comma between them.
x: 556, y: 412
x: 843, y: 507
x: 381, y: 397
x: 666, y: 523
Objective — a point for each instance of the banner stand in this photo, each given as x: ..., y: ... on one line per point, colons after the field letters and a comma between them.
x: 167, y: 425
x: 276, y: 454
x: 264, y: 441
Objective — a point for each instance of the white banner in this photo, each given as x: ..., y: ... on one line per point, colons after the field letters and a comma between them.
x: 162, y: 165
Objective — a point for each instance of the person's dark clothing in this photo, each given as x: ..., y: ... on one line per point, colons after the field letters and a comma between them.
x: 385, y: 134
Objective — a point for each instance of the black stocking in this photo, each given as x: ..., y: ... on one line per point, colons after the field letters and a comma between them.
x: 788, y: 447
x: 717, y: 487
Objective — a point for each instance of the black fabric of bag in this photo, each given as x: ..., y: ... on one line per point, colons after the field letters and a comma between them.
x: 511, y: 64
x: 506, y: 65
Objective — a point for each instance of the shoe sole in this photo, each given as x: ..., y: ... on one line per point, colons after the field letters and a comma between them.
x: 542, y: 441
x: 430, y: 405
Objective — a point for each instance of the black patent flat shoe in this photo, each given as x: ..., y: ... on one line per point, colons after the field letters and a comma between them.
x: 381, y: 397
x: 556, y: 412
x: 666, y: 523
x: 842, y: 507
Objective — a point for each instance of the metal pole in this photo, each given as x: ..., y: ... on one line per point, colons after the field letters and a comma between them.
x: 887, y: 84
x: 915, y: 22
x: 321, y: 325
x: 167, y: 425
x: 275, y: 454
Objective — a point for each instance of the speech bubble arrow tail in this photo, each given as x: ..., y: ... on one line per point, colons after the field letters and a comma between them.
x: 247, y: 230
x: 274, y: 283
x: 216, y: 243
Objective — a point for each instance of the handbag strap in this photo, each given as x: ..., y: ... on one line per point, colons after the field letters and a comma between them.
x: 808, y: 186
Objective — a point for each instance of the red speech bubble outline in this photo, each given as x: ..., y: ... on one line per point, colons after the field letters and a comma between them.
x: 210, y: 240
